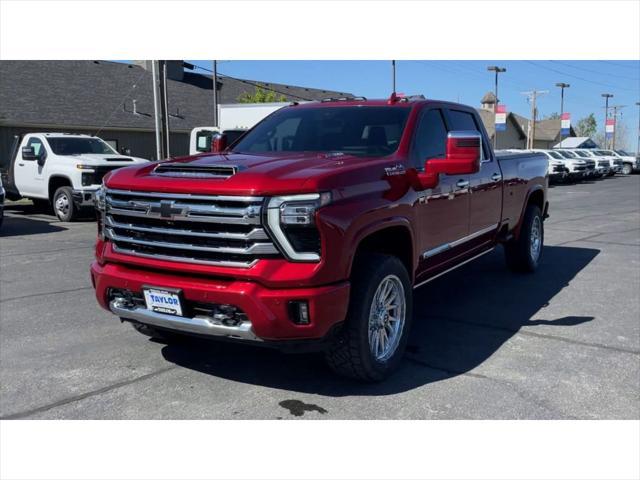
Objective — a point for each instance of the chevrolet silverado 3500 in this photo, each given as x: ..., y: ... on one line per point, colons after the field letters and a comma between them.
x: 313, y: 230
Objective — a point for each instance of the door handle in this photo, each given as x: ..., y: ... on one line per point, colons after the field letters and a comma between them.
x: 21, y: 164
x: 462, y: 184
x: 496, y: 177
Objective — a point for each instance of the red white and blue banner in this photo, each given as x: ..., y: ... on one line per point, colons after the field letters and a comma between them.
x: 565, y: 124
x: 501, y: 118
x: 610, y: 127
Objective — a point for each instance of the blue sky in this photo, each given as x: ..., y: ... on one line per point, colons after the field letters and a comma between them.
x: 466, y: 81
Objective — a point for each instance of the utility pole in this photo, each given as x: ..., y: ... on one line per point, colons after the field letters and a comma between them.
x: 562, y: 86
x: 156, y: 110
x: 606, y: 96
x: 215, y: 93
x: 615, y: 125
x: 638, y: 144
x: 393, y: 76
x: 498, y: 70
x: 531, y: 134
x: 164, y: 109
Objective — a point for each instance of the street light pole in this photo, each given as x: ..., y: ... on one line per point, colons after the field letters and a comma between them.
x: 497, y: 70
x: 562, y: 86
x: 606, y: 96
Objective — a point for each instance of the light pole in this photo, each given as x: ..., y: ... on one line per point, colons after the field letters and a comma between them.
x: 497, y: 70
x: 606, y: 96
x: 393, y: 76
x: 215, y: 93
x: 562, y: 86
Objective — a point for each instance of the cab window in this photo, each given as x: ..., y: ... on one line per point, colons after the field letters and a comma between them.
x: 38, y: 147
x: 430, y: 139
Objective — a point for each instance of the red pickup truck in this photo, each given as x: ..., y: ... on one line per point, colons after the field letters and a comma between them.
x: 312, y: 230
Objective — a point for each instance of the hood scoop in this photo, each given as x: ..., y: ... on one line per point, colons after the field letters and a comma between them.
x: 195, y: 171
x: 119, y: 159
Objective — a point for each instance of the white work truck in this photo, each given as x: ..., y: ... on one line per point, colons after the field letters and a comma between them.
x: 60, y: 170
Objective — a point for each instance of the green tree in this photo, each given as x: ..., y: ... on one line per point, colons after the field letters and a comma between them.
x: 261, y: 95
x: 587, y: 126
x: 554, y: 115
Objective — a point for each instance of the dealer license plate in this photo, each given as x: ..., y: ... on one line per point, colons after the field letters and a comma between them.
x: 163, y: 301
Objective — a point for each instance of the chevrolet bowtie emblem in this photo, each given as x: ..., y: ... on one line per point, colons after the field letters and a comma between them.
x: 167, y: 209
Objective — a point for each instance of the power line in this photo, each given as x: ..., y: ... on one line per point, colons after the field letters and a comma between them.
x: 286, y: 94
x: 135, y: 84
x: 594, y: 71
x: 637, y: 67
x: 577, y: 77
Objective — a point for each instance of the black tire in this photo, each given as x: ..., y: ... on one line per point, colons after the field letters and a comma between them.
x: 519, y: 254
x: 627, y: 169
x: 350, y: 354
x: 63, y: 205
x: 41, y: 205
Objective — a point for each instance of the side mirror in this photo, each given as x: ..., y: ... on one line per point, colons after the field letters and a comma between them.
x: 219, y: 142
x: 462, y: 157
x: 28, y: 153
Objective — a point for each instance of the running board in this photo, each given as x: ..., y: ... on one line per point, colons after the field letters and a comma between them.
x: 453, y: 268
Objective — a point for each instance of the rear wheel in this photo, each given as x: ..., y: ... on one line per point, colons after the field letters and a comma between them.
x: 523, y: 254
x: 371, y: 345
x: 627, y: 168
x: 63, y: 205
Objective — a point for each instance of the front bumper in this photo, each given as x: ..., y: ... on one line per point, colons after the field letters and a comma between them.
x: 84, y: 198
x: 267, y: 309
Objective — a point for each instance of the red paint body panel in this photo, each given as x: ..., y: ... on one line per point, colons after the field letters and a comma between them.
x: 366, y: 199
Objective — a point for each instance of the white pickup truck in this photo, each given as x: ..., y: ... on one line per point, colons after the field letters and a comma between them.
x: 60, y: 170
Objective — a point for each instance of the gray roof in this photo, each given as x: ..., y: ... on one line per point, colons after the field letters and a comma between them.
x: 99, y: 94
x: 489, y: 97
x: 488, y: 119
x: 576, y: 142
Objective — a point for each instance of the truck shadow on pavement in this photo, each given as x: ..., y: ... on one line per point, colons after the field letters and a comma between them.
x: 21, y: 222
x: 460, y: 320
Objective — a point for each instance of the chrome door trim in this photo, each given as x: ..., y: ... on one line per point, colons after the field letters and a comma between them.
x: 447, y: 246
x: 452, y: 268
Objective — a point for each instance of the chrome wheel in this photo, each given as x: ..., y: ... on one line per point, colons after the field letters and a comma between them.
x: 386, y: 318
x: 536, y: 239
x: 62, y: 205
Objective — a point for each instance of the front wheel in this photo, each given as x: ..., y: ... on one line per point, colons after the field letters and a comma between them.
x: 627, y: 168
x: 63, y: 205
x: 523, y: 254
x: 375, y: 334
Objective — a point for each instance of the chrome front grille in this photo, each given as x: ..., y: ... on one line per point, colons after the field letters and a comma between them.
x: 212, y: 230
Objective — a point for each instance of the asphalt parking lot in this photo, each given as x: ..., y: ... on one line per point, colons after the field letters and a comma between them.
x: 561, y: 344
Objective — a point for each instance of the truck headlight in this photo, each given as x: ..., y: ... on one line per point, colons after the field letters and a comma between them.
x: 291, y: 220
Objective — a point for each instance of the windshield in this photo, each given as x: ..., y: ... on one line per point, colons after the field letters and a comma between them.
x: 582, y: 154
x: 603, y: 152
x: 555, y: 155
x: 358, y: 130
x: 567, y: 154
x: 624, y: 153
x: 78, y: 146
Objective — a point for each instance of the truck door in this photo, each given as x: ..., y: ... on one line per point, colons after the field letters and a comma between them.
x: 486, y: 186
x: 443, y: 211
x: 28, y: 175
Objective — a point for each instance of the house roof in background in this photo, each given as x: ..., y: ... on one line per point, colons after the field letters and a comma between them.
x: 99, y: 94
x: 576, y: 142
x: 488, y: 119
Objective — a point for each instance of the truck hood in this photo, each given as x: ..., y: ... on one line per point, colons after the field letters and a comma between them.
x: 255, y: 174
x: 106, y: 159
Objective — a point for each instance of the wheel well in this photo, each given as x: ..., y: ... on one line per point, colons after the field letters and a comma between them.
x: 394, y: 241
x: 537, y: 198
x: 55, y: 183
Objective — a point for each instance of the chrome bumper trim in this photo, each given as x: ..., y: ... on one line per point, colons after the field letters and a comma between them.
x: 198, y: 325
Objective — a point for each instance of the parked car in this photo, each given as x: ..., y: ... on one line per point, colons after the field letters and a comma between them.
x: 630, y: 163
x: 576, y: 167
x: 604, y: 165
x: 591, y: 169
x: 617, y: 165
x: 314, y: 229
x: 60, y: 169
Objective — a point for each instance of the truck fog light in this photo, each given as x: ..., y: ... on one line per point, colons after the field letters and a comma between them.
x: 299, y: 311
